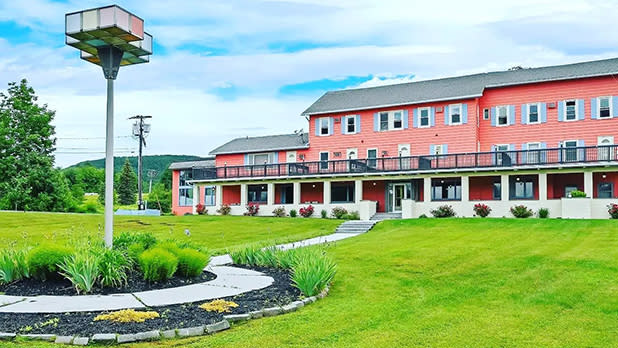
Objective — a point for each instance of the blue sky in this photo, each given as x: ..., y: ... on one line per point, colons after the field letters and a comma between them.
x: 224, y: 69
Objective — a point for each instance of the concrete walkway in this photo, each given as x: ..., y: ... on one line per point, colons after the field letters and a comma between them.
x: 230, y: 281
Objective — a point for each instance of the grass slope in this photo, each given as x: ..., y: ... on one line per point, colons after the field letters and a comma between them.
x: 455, y: 283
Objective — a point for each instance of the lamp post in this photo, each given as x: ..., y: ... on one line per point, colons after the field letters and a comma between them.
x: 109, y: 37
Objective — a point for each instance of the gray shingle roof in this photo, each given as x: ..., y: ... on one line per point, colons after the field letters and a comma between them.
x: 207, y: 162
x: 451, y: 88
x: 265, y: 143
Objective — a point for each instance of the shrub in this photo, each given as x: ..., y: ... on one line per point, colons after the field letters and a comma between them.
x: 13, y: 266
x: 293, y: 213
x: 225, y: 209
x: 201, y: 209
x: 158, y: 264
x: 423, y: 216
x: 219, y: 306
x: 353, y: 215
x: 313, y: 272
x: 127, y: 316
x: 577, y: 194
x: 82, y: 270
x: 125, y: 239
x: 114, y: 266
x: 279, y: 212
x: 443, y: 211
x: 543, y: 213
x: 43, y: 261
x: 481, y: 209
x: 252, y: 209
x: 612, y: 209
x: 324, y: 214
x: 246, y: 256
x: 338, y: 212
x: 191, y: 263
x: 521, y: 211
x: 307, y: 211
x: 134, y: 251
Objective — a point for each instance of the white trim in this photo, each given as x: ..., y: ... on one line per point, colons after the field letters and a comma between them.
x: 437, y: 147
x: 372, y: 148
x: 486, y: 114
x: 538, y: 113
x: 351, y: 150
x: 321, y: 160
x: 420, y: 117
x: 399, y: 148
x: 345, y: 124
x: 450, y: 114
x: 508, y: 116
x: 508, y: 147
x: 611, y: 108
x: 391, y: 120
x: 320, y: 121
x: 564, y: 117
x: 533, y: 157
x: 251, y: 157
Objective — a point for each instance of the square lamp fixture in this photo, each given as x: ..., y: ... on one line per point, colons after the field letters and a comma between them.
x: 92, y: 29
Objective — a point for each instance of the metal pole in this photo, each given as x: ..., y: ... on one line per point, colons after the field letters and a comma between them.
x: 109, y: 166
x: 140, y: 201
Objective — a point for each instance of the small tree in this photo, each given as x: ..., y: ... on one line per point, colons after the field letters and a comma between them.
x: 127, y: 184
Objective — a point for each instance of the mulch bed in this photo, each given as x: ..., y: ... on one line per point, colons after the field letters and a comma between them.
x: 281, y: 292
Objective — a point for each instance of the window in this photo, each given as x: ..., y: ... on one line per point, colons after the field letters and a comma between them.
x: 533, y: 152
x: 384, y: 121
x: 455, y: 113
x: 209, y: 196
x: 486, y: 114
x: 497, y: 191
x: 397, y: 120
x: 570, y: 110
x: 350, y: 124
x: 324, y: 124
x: 372, y: 155
x: 522, y: 187
x: 342, y: 192
x: 502, y: 157
x: 260, y: 158
x: 605, y: 151
x: 185, y: 175
x: 423, y: 117
x: 605, y: 107
x: 570, y: 150
x: 257, y: 193
x: 446, y: 189
x: 568, y: 189
x: 533, y: 113
x: 323, y: 160
x: 392, y: 120
x: 438, y: 150
x: 605, y: 190
x: 502, y: 114
x: 185, y: 197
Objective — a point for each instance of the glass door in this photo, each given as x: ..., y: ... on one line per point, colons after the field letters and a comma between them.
x: 399, y: 193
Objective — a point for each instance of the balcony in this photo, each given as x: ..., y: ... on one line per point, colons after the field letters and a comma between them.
x: 572, y: 156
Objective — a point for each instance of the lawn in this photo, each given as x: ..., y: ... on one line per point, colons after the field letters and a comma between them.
x: 455, y: 283
x: 216, y: 232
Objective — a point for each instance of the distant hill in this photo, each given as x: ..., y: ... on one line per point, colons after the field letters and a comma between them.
x: 157, y: 162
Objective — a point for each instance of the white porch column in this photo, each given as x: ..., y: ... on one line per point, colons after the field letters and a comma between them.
x: 358, y: 191
x: 465, y: 188
x: 588, y: 185
x: 426, y: 190
x: 542, y: 186
x: 218, y: 196
x: 243, y: 195
x: 296, y: 193
x: 270, y: 194
x: 504, y: 187
x: 326, y: 192
x: 196, y: 198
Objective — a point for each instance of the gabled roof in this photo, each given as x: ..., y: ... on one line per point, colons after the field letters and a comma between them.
x: 462, y: 87
x: 205, y: 163
x: 264, y: 143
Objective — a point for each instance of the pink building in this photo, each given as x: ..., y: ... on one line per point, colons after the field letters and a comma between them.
x: 526, y: 136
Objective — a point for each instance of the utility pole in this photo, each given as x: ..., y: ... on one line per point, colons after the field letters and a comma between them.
x: 140, y: 129
x: 152, y: 173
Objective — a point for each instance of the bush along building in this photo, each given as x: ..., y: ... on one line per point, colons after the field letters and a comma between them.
x: 519, y: 137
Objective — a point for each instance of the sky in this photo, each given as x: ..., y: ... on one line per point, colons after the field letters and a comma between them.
x: 227, y: 69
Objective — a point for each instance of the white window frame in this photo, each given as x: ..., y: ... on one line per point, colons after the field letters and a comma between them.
x: 252, y: 158
x: 324, y: 162
x: 321, y: 120
x: 564, y: 117
x: 345, y: 124
x: 508, y: 117
x: 535, y: 155
x: 388, y: 124
x: 438, y: 149
x: 375, y: 159
x: 391, y: 120
x: 538, y: 113
x: 611, y: 108
x: 420, y: 117
x: 450, y: 114
x: 564, y: 150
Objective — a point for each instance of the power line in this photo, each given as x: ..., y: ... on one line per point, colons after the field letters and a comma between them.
x: 93, y: 138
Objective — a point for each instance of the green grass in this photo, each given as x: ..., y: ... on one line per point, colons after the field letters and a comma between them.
x: 215, y: 232
x: 455, y: 283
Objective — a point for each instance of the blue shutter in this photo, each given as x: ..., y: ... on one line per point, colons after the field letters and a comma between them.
x: 432, y: 149
x: 524, y: 113
x: 344, y: 124
x: 493, y: 117
x: 580, y: 109
x: 561, y: 110
x: 317, y: 126
x: 594, y: 108
x: 581, y: 153
x: 614, y: 107
x: 332, y: 125
x: 358, y: 123
x: 415, y: 116
x: 581, y: 143
x: 246, y: 159
x: 445, y: 148
x: 376, y: 123
x: 543, y: 156
x: 493, y: 155
x: 432, y: 116
x: 464, y: 113
x: 543, y: 112
x: 511, y: 114
x: 524, y: 156
x: 446, y: 116
x: 275, y: 157
x: 405, y: 119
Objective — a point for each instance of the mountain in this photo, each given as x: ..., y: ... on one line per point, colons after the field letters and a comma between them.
x: 157, y: 162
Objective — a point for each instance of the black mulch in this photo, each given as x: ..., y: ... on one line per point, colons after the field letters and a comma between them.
x: 63, y: 287
x: 281, y: 292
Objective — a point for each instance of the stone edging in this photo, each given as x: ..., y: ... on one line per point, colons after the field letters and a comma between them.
x: 110, y: 338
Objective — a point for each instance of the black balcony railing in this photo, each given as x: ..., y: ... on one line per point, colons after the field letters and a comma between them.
x: 543, y: 157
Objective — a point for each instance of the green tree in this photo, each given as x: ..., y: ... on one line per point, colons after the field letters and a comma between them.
x: 160, y: 198
x: 127, y: 184
x: 27, y: 139
x: 166, y: 179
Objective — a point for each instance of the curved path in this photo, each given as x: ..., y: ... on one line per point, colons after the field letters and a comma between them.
x: 230, y: 281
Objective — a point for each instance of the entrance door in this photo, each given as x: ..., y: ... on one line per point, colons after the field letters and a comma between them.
x: 403, y: 150
x: 399, y: 193
x: 606, y: 150
x: 290, y: 157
